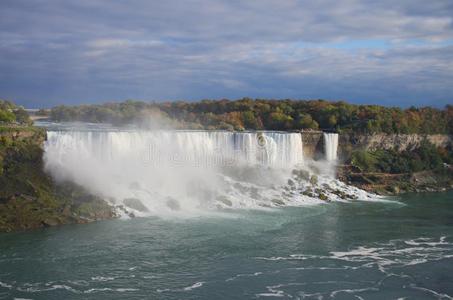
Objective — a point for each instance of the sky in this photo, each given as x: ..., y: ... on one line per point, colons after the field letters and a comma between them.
x: 388, y: 52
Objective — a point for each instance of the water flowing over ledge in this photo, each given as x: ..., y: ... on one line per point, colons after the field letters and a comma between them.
x: 331, y: 146
x: 166, y: 171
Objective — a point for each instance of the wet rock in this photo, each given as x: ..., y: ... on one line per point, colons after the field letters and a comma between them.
x: 396, y: 189
x: 315, y: 169
x: 287, y: 195
x: 323, y: 197
x: 278, y: 202
x: 225, y: 200
x: 314, y: 179
x: 82, y: 220
x: 110, y: 200
x: 123, y: 210
x: 290, y: 182
x: 340, y: 194
x: 301, y: 175
x: 136, y: 204
x: 326, y: 186
x: 173, y: 204
x: 240, y: 187
x: 66, y: 210
x: 308, y: 192
x: 51, y: 222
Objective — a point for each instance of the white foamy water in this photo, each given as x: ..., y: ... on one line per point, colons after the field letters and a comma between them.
x: 163, y: 171
x: 273, y: 149
x: 388, y: 264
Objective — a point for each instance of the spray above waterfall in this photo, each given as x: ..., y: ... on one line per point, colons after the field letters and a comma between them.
x: 191, y: 167
x: 167, y: 170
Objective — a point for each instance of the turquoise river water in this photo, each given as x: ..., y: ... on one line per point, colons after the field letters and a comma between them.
x: 399, y: 249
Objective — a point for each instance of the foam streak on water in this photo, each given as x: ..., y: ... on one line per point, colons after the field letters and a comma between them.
x: 388, y: 265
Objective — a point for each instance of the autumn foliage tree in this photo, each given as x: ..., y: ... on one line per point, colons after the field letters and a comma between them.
x: 261, y: 114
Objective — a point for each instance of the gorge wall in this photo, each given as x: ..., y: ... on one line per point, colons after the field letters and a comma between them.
x: 313, y: 142
x: 400, y: 142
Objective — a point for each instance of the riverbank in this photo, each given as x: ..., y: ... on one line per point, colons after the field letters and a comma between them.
x: 395, y: 184
x: 29, y: 198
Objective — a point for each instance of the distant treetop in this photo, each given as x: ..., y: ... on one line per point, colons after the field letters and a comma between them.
x: 261, y: 114
x: 13, y: 114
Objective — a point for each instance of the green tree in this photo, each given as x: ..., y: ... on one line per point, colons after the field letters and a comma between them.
x: 364, y: 161
x: 7, y: 116
x: 22, y: 117
x: 249, y: 120
x: 280, y: 121
x: 305, y: 121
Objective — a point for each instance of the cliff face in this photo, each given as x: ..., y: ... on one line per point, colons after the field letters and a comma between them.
x: 29, y: 198
x: 19, y: 133
x: 313, y: 142
x: 399, y: 147
x: 401, y: 174
x: 400, y: 142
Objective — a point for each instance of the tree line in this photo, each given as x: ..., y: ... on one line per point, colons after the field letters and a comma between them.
x: 261, y: 114
x: 13, y: 114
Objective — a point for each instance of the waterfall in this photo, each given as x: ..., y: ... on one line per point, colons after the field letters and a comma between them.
x: 193, y: 168
x: 331, y: 146
x: 272, y: 149
x: 191, y: 172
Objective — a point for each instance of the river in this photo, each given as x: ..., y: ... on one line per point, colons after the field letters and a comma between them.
x: 397, y: 249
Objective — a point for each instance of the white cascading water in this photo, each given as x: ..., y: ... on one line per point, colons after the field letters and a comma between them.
x: 193, y: 167
x: 331, y: 146
x: 273, y: 149
x: 186, y: 171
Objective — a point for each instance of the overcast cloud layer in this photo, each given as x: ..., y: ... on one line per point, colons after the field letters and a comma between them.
x: 387, y: 52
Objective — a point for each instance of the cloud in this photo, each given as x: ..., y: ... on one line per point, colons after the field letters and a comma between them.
x: 390, y: 52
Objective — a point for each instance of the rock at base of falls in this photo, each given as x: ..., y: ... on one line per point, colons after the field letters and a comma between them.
x: 224, y: 200
x: 173, y: 204
x: 136, y: 204
x: 314, y: 179
x: 301, y: 175
x: 278, y: 202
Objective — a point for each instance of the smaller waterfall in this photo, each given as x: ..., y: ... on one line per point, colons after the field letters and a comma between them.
x: 331, y: 146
